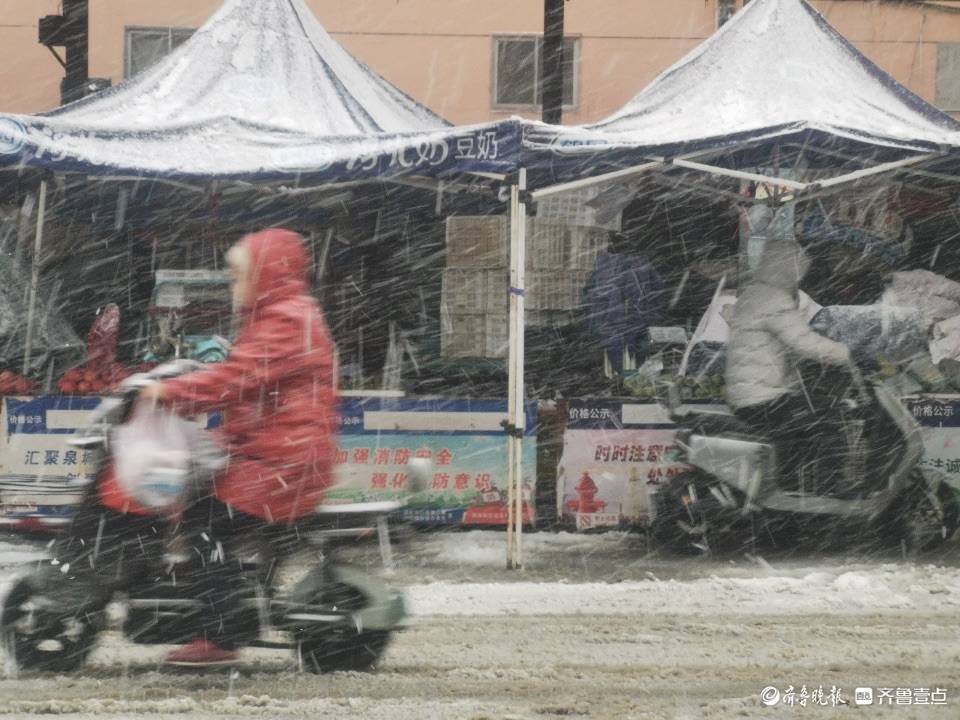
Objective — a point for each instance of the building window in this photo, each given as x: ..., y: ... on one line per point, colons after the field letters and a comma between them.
x: 145, y: 46
x: 948, y: 77
x: 516, y: 76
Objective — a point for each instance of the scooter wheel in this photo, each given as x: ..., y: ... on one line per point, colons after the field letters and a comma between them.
x: 690, y: 520
x: 930, y: 519
x: 39, y: 637
x: 671, y: 523
x: 342, y: 649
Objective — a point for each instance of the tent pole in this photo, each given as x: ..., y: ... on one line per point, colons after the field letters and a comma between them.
x: 876, y: 170
x: 35, y: 275
x: 515, y: 404
x: 596, y: 180
x: 741, y: 175
x: 511, y: 364
x: 520, y: 406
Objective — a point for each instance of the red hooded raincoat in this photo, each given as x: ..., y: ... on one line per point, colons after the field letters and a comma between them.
x: 275, y: 388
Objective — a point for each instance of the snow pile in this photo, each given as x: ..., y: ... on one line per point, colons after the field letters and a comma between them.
x: 483, y: 548
x: 884, y: 588
x: 18, y: 553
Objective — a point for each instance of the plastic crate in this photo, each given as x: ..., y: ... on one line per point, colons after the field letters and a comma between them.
x: 464, y: 291
x: 572, y: 208
x: 554, y: 290
x: 478, y: 242
x: 498, y: 291
x: 579, y: 279
x: 584, y: 244
x: 547, y: 242
x: 549, y: 318
x: 463, y: 336
x: 497, y: 335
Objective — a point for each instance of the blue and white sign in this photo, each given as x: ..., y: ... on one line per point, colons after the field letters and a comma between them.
x: 42, y: 477
x: 464, y: 442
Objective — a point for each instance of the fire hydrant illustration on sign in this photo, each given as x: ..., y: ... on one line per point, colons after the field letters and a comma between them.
x: 586, y: 491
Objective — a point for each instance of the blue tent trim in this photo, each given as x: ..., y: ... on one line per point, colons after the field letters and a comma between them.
x: 493, y: 148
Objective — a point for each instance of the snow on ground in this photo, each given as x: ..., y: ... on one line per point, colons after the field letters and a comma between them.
x: 677, y: 586
x: 595, y: 627
x: 885, y: 588
x: 13, y: 553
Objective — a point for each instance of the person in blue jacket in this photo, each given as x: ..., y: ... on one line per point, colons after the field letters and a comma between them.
x: 623, y: 297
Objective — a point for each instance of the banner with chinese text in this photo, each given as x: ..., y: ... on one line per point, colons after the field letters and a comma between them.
x: 41, y: 475
x: 939, y: 420
x: 615, y: 456
x: 463, y: 441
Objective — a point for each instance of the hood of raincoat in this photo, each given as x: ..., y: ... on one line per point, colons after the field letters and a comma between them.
x: 278, y: 266
x: 782, y: 265
x: 281, y: 449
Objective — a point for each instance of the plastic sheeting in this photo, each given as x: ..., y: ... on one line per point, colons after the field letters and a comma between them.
x: 897, y: 334
x: 55, y: 344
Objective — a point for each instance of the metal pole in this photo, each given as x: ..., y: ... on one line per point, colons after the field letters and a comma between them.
x: 877, y: 170
x: 515, y: 395
x: 741, y: 175
x: 596, y: 180
x: 35, y: 275
x: 74, y: 85
x: 511, y: 364
x: 551, y: 68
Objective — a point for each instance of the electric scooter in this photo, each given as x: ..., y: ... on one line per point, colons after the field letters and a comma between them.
x: 334, y: 617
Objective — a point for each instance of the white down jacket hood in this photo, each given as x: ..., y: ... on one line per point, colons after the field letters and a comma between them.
x: 769, y: 333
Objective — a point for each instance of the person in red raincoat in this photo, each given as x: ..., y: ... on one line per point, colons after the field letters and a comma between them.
x: 276, y: 391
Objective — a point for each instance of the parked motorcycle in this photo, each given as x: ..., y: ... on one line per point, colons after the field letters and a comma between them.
x: 859, y: 480
x: 334, y: 617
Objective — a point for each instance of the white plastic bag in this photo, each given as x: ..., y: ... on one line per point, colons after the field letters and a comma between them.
x: 152, y: 453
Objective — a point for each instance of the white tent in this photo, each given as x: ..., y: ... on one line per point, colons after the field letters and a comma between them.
x: 260, y: 92
x: 776, y: 74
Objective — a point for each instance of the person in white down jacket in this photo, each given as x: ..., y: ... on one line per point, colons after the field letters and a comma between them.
x: 769, y: 335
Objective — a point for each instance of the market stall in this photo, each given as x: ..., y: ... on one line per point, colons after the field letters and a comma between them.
x: 260, y: 118
x: 783, y: 120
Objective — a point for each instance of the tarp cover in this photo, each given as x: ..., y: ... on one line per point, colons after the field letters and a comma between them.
x: 777, y: 67
x: 261, y: 91
x: 54, y: 341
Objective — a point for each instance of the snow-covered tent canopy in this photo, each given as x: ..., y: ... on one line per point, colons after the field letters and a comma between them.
x: 778, y: 90
x: 260, y: 92
x: 260, y: 95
